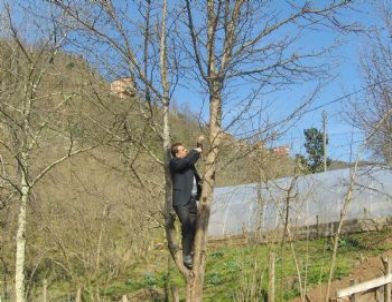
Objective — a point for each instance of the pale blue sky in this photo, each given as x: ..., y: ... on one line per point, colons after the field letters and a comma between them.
x: 344, y: 140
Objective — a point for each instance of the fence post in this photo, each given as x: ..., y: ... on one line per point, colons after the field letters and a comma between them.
x: 377, y: 295
x: 175, y: 294
x: 45, y: 291
x: 271, y: 278
x: 387, y: 287
x: 354, y: 297
x: 124, y: 298
x: 79, y: 295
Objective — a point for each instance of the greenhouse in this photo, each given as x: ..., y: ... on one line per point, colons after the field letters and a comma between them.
x: 311, y: 199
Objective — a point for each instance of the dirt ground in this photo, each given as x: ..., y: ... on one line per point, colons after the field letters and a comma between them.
x: 369, y: 268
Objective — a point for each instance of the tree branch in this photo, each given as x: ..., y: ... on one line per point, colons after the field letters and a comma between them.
x: 58, y: 161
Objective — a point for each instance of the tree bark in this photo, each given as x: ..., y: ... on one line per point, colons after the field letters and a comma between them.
x: 194, y: 290
x: 195, y: 280
x: 169, y: 214
x: 21, y: 241
x: 343, y: 213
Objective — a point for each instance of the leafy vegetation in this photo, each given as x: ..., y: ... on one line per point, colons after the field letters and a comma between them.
x: 314, y: 161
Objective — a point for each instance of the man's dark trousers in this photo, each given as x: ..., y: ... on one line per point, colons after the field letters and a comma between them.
x: 187, y: 214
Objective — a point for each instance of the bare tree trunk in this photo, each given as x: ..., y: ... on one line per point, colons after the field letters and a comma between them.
x: 260, y: 204
x: 195, y: 281
x: 171, y: 233
x: 194, y: 290
x: 175, y: 295
x: 286, y: 232
x: 99, y: 245
x: 101, y: 231
x: 21, y: 236
x: 170, y: 218
x: 271, y: 278
x: 347, y: 202
x: 169, y: 215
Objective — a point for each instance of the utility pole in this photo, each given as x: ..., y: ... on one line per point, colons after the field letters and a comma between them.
x: 325, y: 139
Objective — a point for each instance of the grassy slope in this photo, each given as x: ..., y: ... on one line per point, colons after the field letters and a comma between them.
x: 240, y: 273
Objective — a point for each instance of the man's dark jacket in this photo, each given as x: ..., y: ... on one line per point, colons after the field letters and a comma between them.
x: 183, y: 172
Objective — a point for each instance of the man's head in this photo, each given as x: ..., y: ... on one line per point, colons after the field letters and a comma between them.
x: 178, y: 150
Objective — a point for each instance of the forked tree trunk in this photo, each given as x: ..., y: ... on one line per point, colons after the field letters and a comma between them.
x: 195, y: 280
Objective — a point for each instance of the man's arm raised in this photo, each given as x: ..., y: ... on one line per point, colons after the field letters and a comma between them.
x: 178, y: 164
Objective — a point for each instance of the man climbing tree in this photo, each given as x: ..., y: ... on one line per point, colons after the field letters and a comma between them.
x: 186, y: 191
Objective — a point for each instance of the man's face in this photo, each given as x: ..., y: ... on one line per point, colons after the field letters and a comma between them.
x: 181, y: 152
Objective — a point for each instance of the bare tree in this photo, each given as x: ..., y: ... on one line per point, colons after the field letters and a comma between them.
x: 343, y: 213
x: 371, y: 112
x: 115, y: 27
x: 31, y: 119
x: 228, y: 50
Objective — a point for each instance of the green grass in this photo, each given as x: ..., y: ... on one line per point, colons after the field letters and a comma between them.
x: 240, y: 273
x: 235, y: 270
x: 246, y: 270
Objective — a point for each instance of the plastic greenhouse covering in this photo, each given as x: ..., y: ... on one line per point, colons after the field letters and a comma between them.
x: 312, y: 199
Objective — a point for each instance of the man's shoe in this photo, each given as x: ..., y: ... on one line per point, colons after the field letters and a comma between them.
x: 188, y: 261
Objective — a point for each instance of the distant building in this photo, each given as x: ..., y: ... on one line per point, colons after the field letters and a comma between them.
x: 281, y: 150
x: 123, y: 87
